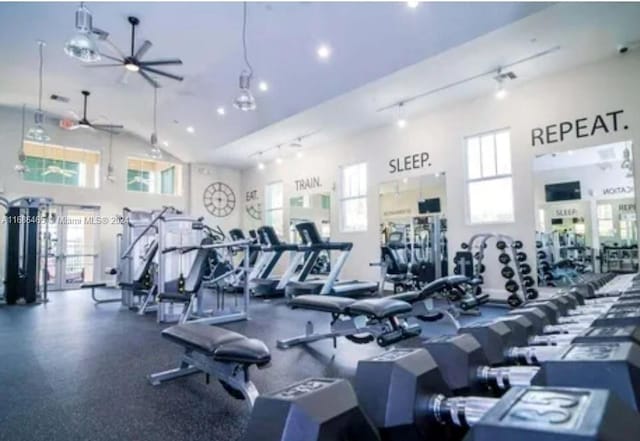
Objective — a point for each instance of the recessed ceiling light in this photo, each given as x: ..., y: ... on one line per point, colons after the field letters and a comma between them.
x: 260, y: 165
x: 190, y: 129
x: 299, y: 155
x: 324, y: 51
x: 401, y: 123
x: 166, y: 143
x: 263, y: 86
x: 221, y: 111
x: 413, y: 5
x: 278, y: 160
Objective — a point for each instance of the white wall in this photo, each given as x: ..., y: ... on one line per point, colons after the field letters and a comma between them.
x: 586, y: 92
x: 110, y: 197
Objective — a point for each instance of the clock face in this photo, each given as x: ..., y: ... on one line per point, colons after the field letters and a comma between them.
x: 219, y: 199
x: 254, y: 211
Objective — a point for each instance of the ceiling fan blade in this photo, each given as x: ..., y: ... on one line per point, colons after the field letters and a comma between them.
x: 146, y: 45
x: 161, y: 62
x: 103, y: 65
x: 149, y: 79
x: 109, y: 57
x: 164, y: 74
x: 107, y: 126
x: 115, y: 48
x: 124, y: 78
x: 74, y: 115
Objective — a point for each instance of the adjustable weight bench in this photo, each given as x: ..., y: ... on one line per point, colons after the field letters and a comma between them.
x: 359, y: 321
x: 453, y: 287
x: 217, y: 352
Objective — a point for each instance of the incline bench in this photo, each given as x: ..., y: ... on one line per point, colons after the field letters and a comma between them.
x: 217, y: 352
x: 360, y: 321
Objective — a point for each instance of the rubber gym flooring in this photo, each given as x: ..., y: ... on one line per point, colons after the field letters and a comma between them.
x: 72, y: 370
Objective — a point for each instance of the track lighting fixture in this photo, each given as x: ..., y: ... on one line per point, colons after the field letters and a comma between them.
x: 279, y: 155
x: 245, y: 100
x: 401, y: 121
x: 82, y: 45
x: 501, y: 78
x: 37, y: 132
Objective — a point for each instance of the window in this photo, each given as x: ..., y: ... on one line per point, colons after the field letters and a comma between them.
x: 52, y: 164
x: 274, y: 202
x: 605, y: 220
x: 489, y: 178
x: 150, y: 176
x: 354, y: 198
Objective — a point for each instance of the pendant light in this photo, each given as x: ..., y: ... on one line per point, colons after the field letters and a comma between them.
x: 82, y: 45
x: 245, y: 100
x: 155, y: 153
x: 111, y: 177
x: 37, y: 132
x: 21, y: 167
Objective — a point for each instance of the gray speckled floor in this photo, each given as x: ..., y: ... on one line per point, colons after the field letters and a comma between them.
x: 72, y: 370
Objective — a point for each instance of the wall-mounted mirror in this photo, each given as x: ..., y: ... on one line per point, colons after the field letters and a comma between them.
x: 315, y: 208
x: 413, y: 230
x: 586, y: 216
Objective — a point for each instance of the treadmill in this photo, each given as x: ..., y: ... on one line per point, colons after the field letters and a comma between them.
x: 330, y: 285
x: 266, y: 285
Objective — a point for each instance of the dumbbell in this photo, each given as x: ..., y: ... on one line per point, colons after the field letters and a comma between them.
x: 315, y: 409
x: 612, y: 366
x: 405, y: 396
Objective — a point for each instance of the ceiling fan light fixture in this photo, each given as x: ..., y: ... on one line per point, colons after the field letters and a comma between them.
x: 82, y: 45
x: 131, y: 67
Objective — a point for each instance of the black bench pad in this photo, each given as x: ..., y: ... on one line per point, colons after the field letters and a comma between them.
x: 94, y: 285
x: 379, y: 308
x: 315, y: 302
x: 409, y: 297
x: 221, y: 344
x: 174, y: 297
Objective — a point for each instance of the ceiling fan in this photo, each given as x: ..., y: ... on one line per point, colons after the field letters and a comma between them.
x: 56, y: 170
x: 84, y: 123
x: 134, y: 62
x: 138, y: 180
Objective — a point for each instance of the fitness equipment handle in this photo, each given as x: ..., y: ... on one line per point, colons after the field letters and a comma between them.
x: 508, y: 376
x: 460, y: 411
x: 129, y: 249
x: 533, y: 354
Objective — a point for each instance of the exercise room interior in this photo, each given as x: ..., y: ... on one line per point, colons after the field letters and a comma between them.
x: 319, y: 221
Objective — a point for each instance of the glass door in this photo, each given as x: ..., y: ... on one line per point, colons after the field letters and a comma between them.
x: 72, y: 254
x: 79, y: 255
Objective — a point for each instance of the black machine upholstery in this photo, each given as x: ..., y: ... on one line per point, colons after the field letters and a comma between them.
x: 379, y: 308
x: 220, y: 344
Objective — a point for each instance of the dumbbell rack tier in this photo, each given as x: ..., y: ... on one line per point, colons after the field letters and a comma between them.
x: 483, y: 238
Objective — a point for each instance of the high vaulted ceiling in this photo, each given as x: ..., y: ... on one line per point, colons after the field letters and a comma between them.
x: 369, y: 41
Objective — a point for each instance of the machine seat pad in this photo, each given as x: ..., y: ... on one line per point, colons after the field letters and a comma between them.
x: 379, y: 307
x: 409, y: 296
x: 94, y: 285
x: 246, y: 351
x: 315, y: 302
x: 459, y: 280
x: 174, y: 297
x: 201, y: 337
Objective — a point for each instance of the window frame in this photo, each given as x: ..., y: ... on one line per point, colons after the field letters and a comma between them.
x: 364, y: 196
x: 482, y: 178
x: 155, y: 183
x: 267, y: 209
x: 82, y: 171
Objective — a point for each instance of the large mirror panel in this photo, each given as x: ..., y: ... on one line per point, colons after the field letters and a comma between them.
x: 413, y: 230
x: 586, y: 214
x: 314, y: 208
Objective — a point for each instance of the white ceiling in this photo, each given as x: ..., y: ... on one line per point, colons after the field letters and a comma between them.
x: 369, y: 41
x: 585, y: 32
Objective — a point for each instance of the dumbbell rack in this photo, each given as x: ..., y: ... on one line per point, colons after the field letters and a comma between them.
x: 481, y: 239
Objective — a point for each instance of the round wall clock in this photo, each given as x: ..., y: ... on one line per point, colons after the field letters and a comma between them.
x: 219, y: 199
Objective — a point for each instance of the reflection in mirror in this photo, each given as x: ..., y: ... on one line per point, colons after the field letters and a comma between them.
x: 586, y: 214
x: 312, y: 208
x: 413, y: 231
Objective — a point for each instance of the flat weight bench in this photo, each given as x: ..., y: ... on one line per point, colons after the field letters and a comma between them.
x: 217, y: 352
x: 359, y: 321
